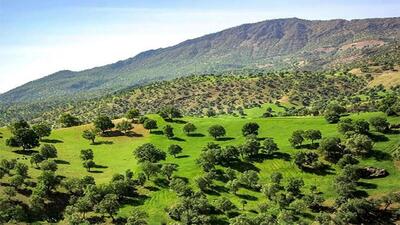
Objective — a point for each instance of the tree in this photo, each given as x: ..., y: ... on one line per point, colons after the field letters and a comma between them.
x: 88, y: 164
x: 20, y: 124
x: 294, y: 186
x: 347, y: 159
x: 108, y: 205
x: 312, y: 135
x: 356, y: 211
x: 233, y: 185
x: 21, y: 169
x: 168, y: 131
x: 25, y: 138
x: 150, y: 124
x: 48, y: 165
x: 36, y: 158
x: 132, y: 114
x: 188, y: 128
x: 250, y: 148
x: 380, y: 124
x: 269, y: 146
x: 332, y: 149
x: 249, y: 179
x: 307, y: 160
x: 174, y: 150
x: 89, y: 135
x: 103, y: 123
x: 149, y: 153
x: 216, y: 131
x: 124, y: 126
x: 297, y: 138
x: 11, y: 212
x: 250, y: 129
x: 224, y: 205
x: 48, y: 151
x: 333, y: 112
x: 47, y: 181
x: 359, y: 144
x: 137, y: 217
x: 17, y: 181
x: 42, y: 130
x: 203, y: 183
x: 169, y: 113
x: 168, y: 169
x: 332, y: 117
x: 86, y: 154
x: 67, y: 120
x: 150, y: 169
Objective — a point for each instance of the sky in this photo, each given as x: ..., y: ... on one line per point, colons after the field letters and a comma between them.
x: 40, y: 37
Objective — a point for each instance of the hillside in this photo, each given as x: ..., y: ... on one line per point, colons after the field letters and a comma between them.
x: 273, y: 44
x: 225, y: 93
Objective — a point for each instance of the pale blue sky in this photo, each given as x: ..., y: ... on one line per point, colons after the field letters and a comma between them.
x: 43, y: 36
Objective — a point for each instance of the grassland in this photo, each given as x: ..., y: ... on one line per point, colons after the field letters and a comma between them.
x: 114, y: 155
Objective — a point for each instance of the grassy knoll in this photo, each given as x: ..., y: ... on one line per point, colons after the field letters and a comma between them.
x: 114, y: 155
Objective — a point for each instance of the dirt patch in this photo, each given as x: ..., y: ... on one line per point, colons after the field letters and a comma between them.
x: 284, y: 99
x: 387, y: 79
x: 362, y: 44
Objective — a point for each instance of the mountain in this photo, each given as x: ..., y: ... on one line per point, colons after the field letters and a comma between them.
x: 272, y: 44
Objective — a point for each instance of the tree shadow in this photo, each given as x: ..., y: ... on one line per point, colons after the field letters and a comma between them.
x: 225, y: 139
x: 152, y: 188
x: 51, y: 141
x: 247, y: 197
x: 133, y: 134
x: 182, y: 156
x: 95, y: 171
x: 177, y: 139
x: 242, y: 166
x: 185, y: 179
x: 380, y: 155
x: 100, y: 166
x: 179, y: 121
x: 25, y: 192
x: 196, y: 135
x: 136, y: 200
x: 25, y: 152
x: 60, y: 161
x: 366, y: 185
x: 157, y: 132
x: 360, y: 194
x: 212, y: 192
x: 103, y: 143
x: 96, y: 220
x: 323, y: 171
x: 112, y: 133
x: 378, y: 137
x: 309, y: 146
x: 276, y: 155
x: 161, y: 182
x: 220, y: 188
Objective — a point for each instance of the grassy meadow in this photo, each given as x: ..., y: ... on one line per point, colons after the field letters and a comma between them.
x: 114, y: 155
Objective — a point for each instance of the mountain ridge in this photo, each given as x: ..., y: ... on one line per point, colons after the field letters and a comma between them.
x: 270, y: 44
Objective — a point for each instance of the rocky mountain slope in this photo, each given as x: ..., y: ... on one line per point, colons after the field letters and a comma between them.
x: 273, y: 44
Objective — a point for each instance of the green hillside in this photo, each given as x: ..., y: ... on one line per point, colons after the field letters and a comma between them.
x: 114, y: 155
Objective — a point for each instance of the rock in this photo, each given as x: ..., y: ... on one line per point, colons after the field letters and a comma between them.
x: 372, y: 172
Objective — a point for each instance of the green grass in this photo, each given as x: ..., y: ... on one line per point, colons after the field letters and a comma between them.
x: 117, y: 156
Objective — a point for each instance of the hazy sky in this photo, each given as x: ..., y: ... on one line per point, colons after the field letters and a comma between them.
x: 40, y: 37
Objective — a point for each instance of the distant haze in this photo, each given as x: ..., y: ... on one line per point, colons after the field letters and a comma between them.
x: 41, y: 37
